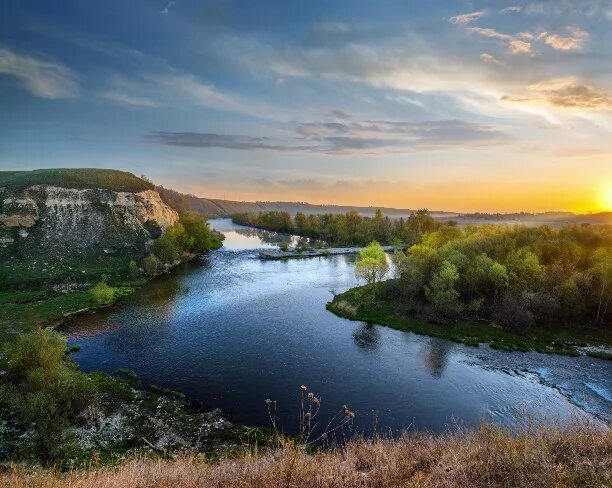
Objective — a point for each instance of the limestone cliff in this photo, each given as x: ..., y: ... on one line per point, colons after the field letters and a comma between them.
x: 56, y: 222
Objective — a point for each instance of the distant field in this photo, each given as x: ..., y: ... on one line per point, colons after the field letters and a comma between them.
x: 108, y: 179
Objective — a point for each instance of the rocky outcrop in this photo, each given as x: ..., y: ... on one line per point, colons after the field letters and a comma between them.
x: 56, y: 222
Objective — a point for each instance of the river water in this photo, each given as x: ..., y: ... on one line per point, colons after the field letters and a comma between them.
x: 232, y: 330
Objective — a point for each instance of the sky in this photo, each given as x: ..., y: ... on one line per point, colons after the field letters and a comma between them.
x: 493, y: 106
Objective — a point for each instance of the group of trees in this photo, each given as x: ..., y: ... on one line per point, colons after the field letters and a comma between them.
x: 42, y: 394
x: 190, y: 235
x: 515, y: 275
x: 350, y: 229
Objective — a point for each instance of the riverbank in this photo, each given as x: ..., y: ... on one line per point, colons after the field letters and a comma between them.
x: 361, y: 304
x: 309, y: 253
x: 25, y: 309
x: 574, y: 456
x: 40, y: 305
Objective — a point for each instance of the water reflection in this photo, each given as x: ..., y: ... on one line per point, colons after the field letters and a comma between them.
x: 435, y: 356
x: 276, y: 238
x: 366, y: 336
x: 266, y: 236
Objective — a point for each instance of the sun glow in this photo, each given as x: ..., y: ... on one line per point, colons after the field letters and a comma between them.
x: 606, y: 198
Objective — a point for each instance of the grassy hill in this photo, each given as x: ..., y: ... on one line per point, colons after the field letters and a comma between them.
x: 212, y: 207
x: 108, y: 179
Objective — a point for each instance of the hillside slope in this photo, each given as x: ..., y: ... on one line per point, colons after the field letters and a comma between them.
x: 212, y: 207
x: 54, y: 221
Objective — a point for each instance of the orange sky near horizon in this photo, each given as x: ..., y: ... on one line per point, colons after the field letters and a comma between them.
x: 577, y: 193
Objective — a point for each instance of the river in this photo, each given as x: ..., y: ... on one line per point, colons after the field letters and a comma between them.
x: 231, y: 330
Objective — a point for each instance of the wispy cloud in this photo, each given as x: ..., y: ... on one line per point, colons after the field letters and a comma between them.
x: 367, y: 137
x: 44, y: 79
x: 515, y: 43
x: 128, y: 99
x: 574, y: 41
x: 489, y: 58
x: 167, y: 8
x: 173, y: 88
x: 565, y: 93
x: 491, y: 33
x: 465, y: 19
x: 517, y: 46
x: 207, y: 95
x: 511, y: 9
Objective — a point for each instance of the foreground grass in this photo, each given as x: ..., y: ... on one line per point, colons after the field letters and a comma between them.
x: 580, y: 455
x: 361, y: 304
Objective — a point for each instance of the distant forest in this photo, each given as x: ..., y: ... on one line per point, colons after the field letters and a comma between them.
x: 349, y: 229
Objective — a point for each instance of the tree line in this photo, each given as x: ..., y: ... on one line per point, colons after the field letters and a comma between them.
x: 349, y: 229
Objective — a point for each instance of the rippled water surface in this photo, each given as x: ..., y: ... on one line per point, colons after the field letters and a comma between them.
x: 232, y: 330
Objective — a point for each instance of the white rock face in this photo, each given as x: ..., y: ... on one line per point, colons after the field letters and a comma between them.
x: 149, y: 206
x: 52, y: 217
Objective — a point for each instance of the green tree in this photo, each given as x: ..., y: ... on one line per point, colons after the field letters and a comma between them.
x: 441, y: 291
x: 524, y: 269
x: 372, y: 263
x: 152, y: 265
x: 198, y: 231
x: 484, y: 278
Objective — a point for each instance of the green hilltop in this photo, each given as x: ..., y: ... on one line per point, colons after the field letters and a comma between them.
x: 107, y: 179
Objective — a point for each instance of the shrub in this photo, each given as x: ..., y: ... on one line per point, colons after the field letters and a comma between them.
x: 152, y: 265
x: 133, y: 269
x: 102, y: 293
x: 44, y: 394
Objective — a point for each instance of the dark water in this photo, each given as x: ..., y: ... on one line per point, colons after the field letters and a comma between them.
x: 232, y: 330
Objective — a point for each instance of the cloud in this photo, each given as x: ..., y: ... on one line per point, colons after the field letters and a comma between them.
x: 489, y: 58
x: 562, y: 43
x: 491, y: 33
x: 565, y: 93
x: 366, y: 137
x: 167, y: 8
x: 515, y: 45
x: 171, y: 88
x: 189, y: 89
x: 512, y: 9
x: 465, y: 19
x: 128, y: 99
x: 44, y: 79
x: 576, y: 41
x: 519, y: 47
x: 341, y: 114
x: 226, y: 141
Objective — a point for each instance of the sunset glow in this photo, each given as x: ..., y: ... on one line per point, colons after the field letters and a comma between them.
x: 606, y: 198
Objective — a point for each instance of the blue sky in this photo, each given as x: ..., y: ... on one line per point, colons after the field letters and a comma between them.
x: 443, y: 104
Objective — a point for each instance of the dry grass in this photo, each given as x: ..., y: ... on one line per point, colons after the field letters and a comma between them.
x: 578, y: 456
x: 346, y: 307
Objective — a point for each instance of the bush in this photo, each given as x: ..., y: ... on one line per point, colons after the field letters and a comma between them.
x: 102, y: 293
x: 152, y: 265
x: 133, y: 269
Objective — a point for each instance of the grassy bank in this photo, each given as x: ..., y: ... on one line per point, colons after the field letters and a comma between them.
x: 362, y: 304
x: 579, y: 456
